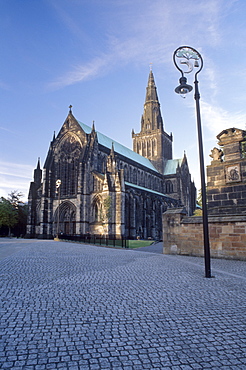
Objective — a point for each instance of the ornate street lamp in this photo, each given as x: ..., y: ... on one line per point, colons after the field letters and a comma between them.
x: 186, y: 60
x: 58, y: 191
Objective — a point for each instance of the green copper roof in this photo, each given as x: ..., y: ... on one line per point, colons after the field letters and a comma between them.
x: 172, y: 165
x: 146, y: 189
x: 118, y: 148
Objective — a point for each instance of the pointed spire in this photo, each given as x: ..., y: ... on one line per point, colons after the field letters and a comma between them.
x: 70, y: 108
x: 112, y: 150
x: 54, y: 136
x: 151, y: 93
x: 38, y: 165
x: 38, y: 173
x: 151, y: 119
x: 93, y: 126
x: 153, y: 142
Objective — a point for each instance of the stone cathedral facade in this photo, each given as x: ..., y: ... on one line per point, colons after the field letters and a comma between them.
x: 106, y: 188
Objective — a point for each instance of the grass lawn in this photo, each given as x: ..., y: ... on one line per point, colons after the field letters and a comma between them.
x: 139, y: 243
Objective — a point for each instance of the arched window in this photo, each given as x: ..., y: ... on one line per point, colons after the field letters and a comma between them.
x: 67, y: 165
x: 148, y: 148
x: 169, y: 187
x: 134, y: 180
x: 143, y: 148
x: 154, y: 151
x: 96, y: 212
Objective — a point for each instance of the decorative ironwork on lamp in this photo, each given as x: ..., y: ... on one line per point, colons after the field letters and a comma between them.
x: 187, y: 60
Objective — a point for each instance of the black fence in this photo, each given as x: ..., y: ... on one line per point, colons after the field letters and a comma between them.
x: 97, y: 239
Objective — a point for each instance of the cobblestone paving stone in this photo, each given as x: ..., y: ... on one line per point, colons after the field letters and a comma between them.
x: 71, y: 306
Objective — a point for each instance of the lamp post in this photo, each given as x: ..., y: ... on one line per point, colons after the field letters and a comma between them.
x: 58, y: 191
x: 186, y: 59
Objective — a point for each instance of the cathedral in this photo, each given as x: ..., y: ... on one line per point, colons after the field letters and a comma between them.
x: 91, y: 184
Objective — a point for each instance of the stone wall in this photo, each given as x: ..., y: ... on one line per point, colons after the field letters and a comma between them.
x: 184, y: 235
x: 226, y: 178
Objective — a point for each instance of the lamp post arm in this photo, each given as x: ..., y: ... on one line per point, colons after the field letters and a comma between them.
x: 203, y: 184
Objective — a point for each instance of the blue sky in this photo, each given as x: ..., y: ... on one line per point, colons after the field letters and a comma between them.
x: 95, y: 55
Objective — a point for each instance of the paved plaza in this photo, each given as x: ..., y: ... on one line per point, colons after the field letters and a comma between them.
x: 74, y: 306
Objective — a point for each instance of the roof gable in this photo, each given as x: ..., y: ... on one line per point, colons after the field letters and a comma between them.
x: 172, y: 165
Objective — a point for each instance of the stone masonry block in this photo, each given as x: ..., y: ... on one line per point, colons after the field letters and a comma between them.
x: 239, y: 187
x: 220, y: 196
x: 237, y: 195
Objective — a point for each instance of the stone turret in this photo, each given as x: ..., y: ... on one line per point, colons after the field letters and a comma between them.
x: 38, y: 174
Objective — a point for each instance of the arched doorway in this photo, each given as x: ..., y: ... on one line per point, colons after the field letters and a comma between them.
x: 65, y: 219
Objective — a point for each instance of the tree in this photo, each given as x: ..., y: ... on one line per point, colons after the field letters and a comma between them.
x: 14, y: 198
x: 198, y: 210
x: 8, y: 214
x: 13, y: 213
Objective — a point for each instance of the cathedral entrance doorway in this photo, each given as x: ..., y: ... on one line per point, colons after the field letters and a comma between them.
x: 65, y: 219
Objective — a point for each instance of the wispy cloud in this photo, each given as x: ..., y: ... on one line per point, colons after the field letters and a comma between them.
x: 14, y: 176
x: 15, y: 169
x: 217, y: 119
x: 81, y: 73
x: 6, y: 129
x: 147, y: 36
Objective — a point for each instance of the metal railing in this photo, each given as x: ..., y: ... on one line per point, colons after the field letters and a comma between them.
x: 96, y: 240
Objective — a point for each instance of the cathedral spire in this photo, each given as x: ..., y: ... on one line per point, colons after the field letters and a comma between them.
x: 151, y: 119
x: 152, y: 141
x: 151, y: 93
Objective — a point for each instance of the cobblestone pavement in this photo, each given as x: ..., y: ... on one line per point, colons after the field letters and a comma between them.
x: 71, y: 306
x: 154, y: 248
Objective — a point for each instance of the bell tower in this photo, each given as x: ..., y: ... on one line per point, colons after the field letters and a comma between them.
x: 152, y: 141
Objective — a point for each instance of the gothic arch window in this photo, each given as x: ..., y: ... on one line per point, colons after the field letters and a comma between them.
x: 143, y: 148
x: 130, y: 174
x: 38, y: 214
x: 148, y: 148
x: 138, y: 177
x: 146, y: 179
x: 73, y: 177
x: 67, y: 165
x: 169, y: 187
x: 134, y: 180
x: 142, y: 179
x: 140, y: 148
x: 154, y: 150
x: 96, y: 213
x: 125, y: 172
x: 94, y: 184
x: 152, y: 182
x: 96, y: 209
x: 100, y: 163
